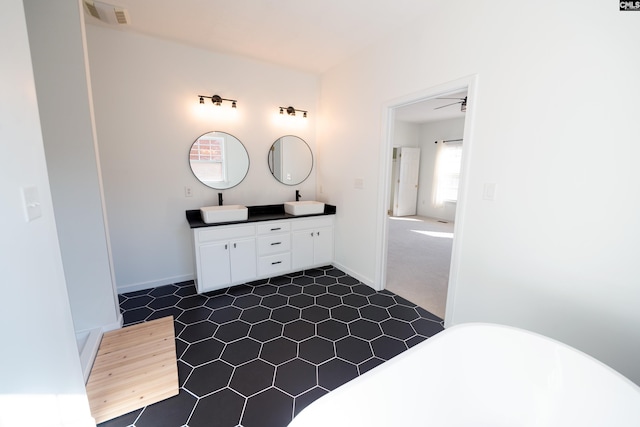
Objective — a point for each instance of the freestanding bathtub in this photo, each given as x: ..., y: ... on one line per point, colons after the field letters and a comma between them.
x: 481, y: 375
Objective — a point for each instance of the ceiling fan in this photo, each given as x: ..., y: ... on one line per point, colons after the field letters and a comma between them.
x: 461, y: 101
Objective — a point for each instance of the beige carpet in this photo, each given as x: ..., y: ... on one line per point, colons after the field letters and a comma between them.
x: 135, y: 366
x: 418, y: 261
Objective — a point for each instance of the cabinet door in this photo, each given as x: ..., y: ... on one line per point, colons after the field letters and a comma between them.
x: 323, y: 246
x: 302, y: 249
x: 243, y: 260
x: 214, y: 267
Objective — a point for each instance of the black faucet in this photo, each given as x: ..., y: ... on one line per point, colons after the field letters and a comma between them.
x: 219, y: 199
x: 297, y: 195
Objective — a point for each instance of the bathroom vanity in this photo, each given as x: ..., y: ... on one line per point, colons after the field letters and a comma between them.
x: 268, y: 243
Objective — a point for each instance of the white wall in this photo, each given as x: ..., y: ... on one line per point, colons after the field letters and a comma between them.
x: 58, y: 55
x: 429, y: 133
x: 555, y: 129
x: 147, y: 115
x: 41, y: 382
x: 406, y: 134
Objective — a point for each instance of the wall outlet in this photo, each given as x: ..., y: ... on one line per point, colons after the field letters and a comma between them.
x: 188, y: 191
x: 358, y: 183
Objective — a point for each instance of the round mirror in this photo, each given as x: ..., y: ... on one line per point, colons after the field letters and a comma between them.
x: 290, y: 160
x: 219, y: 160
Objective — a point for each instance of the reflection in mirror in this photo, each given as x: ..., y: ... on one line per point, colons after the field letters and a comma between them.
x: 219, y: 160
x: 290, y: 160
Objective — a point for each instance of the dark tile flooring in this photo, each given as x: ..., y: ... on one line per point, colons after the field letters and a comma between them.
x: 258, y: 353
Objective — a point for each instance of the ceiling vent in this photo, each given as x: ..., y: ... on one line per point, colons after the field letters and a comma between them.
x: 107, y: 13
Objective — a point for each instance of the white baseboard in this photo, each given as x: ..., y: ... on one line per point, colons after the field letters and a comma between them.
x: 154, y: 283
x: 367, y: 281
x: 115, y: 325
x: 177, y: 279
x: 88, y: 344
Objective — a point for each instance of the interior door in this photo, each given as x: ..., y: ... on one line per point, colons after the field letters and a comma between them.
x: 408, y: 173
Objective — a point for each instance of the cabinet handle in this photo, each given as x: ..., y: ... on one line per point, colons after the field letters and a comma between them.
x: 276, y: 229
x: 318, y: 233
x: 276, y: 243
x: 276, y: 262
x: 225, y: 247
x: 312, y: 234
x: 234, y: 246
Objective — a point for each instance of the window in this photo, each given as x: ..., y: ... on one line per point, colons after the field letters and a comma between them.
x: 207, y: 158
x: 448, y: 163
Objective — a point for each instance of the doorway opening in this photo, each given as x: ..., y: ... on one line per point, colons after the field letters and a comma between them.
x: 423, y: 206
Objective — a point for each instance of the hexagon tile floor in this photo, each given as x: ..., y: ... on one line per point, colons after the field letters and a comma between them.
x: 255, y: 355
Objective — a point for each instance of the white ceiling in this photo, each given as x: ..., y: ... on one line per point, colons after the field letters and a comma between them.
x: 430, y: 111
x: 311, y: 36
x: 307, y: 35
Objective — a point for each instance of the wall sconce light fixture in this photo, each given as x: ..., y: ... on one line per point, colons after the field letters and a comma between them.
x: 217, y: 100
x: 292, y: 111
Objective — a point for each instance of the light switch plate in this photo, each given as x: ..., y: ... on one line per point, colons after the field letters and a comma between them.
x: 489, y: 191
x: 31, y: 201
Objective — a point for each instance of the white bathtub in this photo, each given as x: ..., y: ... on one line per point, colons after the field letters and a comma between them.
x: 482, y: 375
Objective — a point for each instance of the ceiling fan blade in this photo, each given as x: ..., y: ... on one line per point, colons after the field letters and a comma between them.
x: 448, y: 105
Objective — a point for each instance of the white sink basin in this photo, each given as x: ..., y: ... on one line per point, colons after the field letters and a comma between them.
x: 215, y: 214
x: 306, y: 207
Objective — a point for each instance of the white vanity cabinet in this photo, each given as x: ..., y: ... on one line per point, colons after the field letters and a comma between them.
x: 225, y: 256
x: 274, y: 248
x: 228, y: 255
x: 312, y: 242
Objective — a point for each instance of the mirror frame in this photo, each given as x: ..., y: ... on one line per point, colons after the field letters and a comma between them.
x: 270, y: 162
x: 246, y: 172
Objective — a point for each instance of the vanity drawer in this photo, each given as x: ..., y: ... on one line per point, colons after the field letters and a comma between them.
x: 274, y: 227
x: 273, y: 264
x: 304, y: 224
x: 223, y: 233
x: 274, y: 244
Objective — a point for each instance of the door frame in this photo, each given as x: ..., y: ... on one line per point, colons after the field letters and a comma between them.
x: 388, y: 122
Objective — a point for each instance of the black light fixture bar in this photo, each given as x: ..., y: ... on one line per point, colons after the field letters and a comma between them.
x: 292, y: 111
x: 217, y: 100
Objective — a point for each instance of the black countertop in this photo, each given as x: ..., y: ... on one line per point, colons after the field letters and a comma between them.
x: 255, y: 214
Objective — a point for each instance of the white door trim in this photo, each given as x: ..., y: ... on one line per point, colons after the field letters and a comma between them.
x: 384, y: 184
